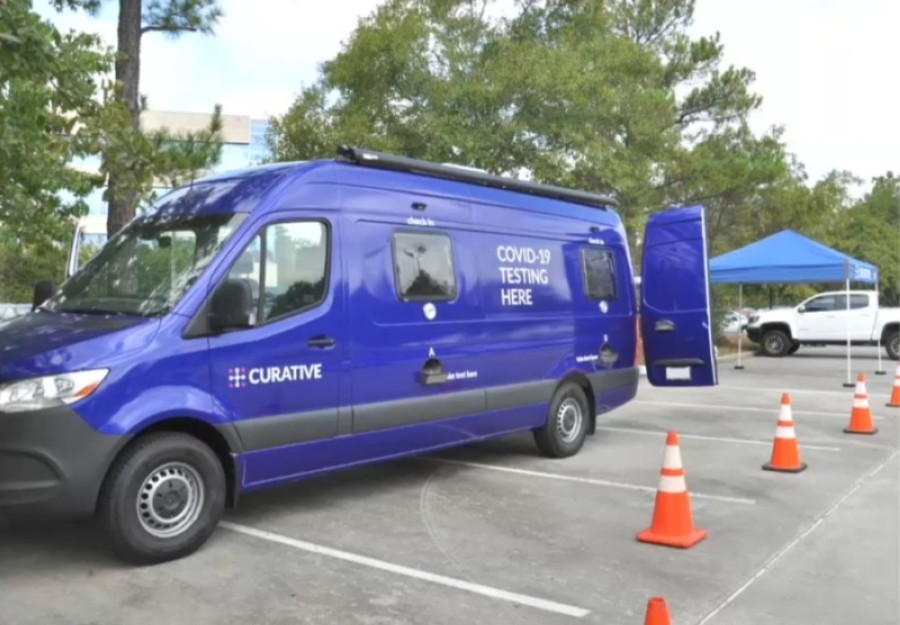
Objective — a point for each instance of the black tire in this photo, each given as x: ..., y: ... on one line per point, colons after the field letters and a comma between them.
x: 567, y: 423
x: 794, y: 348
x: 775, y: 343
x: 179, y: 462
x: 892, y: 345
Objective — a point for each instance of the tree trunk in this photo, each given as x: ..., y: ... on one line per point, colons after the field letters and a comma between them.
x: 122, y: 199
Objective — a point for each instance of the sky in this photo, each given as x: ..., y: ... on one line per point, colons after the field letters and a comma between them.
x: 827, y: 70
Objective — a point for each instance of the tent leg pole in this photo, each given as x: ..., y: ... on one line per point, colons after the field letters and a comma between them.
x: 848, y: 383
x: 740, y: 364
x: 880, y: 370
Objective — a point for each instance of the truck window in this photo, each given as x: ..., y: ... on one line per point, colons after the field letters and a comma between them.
x: 859, y: 301
x: 825, y: 303
x: 424, y: 267
x: 287, y: 268
x: 599, y: 273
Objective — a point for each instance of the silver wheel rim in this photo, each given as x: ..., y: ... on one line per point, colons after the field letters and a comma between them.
x: 170, y: 500
x: 774, y: 344
x: 895, y: 346
x: 569, y: 418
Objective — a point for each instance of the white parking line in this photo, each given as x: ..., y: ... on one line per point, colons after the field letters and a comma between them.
x: 487, y: 591
x: 814, y: 413
x: 701, y: 437
x: 796, y: 541
x: 584, y: 480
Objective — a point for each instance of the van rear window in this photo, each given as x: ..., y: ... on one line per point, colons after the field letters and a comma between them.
x: 423, y: 266
x: 599, y: 273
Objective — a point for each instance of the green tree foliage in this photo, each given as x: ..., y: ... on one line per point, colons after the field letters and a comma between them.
x: 611, y: 96
x: 870, y: 231
x: 23, y: 264
x: 132, y: 160
x: 47, y: 119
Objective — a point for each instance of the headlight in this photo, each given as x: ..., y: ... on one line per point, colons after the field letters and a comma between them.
x: 46, y: 392
x: 754, y: 318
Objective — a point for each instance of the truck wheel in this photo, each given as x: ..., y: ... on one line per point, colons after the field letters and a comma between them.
x: 893, y: 345
x: 775, y: 343
x: 567, y: 423
x: 162, y: 499
x: 794, y: 348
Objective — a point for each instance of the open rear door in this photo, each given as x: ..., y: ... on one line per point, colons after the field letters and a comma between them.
x: 676, y: 322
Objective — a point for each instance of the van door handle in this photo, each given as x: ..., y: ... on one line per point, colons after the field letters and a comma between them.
x: 433, y: 372
x: 321, y: 341
x: 664, y: 325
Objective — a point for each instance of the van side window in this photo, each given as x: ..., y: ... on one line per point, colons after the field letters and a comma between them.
x: 287, y: 268
x: 424, y: 267
x: 599, y: 273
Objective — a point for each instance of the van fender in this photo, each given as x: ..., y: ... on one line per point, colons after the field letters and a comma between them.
x: 183, y: 409
x: 597, y: 382
x: 162, y: 403
x: 580, y: 377
x: 572, y: 372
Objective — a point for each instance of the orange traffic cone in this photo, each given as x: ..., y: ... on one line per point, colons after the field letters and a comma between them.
x: 785, y: 450
x: 673, y: 523
x: 895, y: 394
x: 657, y: 612
x: 861, y: 421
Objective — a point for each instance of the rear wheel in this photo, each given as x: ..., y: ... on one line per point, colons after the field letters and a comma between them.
x: 892, y: 345
x: 775, y: 343
x: 162, y: 498
x: 567, y: 423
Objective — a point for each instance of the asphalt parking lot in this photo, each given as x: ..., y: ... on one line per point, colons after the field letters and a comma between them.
x: 495, y: 533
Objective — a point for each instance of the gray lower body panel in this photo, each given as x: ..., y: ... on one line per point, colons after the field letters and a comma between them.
x: 268, y: 432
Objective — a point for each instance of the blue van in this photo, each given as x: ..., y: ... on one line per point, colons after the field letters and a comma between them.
x: 270, y: 324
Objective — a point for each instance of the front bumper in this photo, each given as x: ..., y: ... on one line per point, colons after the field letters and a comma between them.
x: 754, y: 334
x: 52, y: 463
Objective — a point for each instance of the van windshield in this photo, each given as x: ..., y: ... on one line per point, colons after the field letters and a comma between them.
x: 147, y: 267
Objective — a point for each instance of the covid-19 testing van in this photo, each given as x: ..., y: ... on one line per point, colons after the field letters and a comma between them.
x: 264, y: 325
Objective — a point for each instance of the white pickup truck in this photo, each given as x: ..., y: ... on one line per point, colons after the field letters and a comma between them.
x: 823, y: 320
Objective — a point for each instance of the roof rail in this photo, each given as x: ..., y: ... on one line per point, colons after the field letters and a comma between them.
x: 370, y: 158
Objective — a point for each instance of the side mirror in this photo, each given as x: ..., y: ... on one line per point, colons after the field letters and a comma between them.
x: 43, y: 290
x: 801, y: 308
x: 231, y: 306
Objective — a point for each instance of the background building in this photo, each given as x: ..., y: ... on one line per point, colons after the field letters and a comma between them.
x: 244, y: 144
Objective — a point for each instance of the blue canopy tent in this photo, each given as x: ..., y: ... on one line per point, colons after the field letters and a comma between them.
x: 790, y: 257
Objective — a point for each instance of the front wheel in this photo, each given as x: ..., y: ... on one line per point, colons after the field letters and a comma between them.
x: 775, y: 343
x: 162, y: 498
x: 567, y: 423
x: 892, y: 346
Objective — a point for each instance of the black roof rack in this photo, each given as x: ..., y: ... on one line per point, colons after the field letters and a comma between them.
x: 370, y: 158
